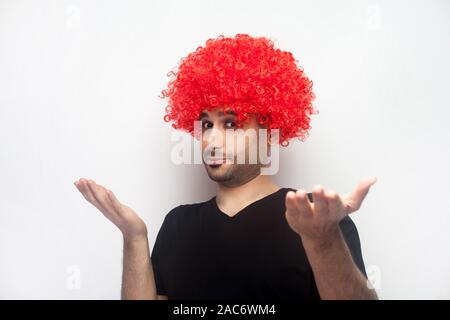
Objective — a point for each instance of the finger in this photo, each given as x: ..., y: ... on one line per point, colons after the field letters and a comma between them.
x: 354, y: 200
x: 320, y: 202
x: 89, y: 195
x: 84, y: 189
x: 291, y: 207
x: 303, y: 204
x: 79, y: 185
x: 114, y: 202
x: 335, y: 203
x: 114, y: 206
x: 100, y: 197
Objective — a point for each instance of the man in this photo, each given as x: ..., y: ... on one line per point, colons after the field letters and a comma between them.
x: 254, y: 239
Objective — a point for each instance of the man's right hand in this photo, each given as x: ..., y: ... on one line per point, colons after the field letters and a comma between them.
x: 131, y: 225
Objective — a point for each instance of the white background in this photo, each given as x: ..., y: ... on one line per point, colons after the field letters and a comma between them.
x: 79, y: 86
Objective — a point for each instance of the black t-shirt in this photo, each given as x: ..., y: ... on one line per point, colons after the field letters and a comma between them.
x: 202, y: 253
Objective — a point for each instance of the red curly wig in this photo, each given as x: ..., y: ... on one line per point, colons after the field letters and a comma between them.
x: 246, y: 75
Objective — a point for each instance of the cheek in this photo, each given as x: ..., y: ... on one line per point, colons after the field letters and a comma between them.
x: 204, y: 143
x: 234, y: 147
x: 241, y: 143
x: 252, y: 146
x: 206, y: 140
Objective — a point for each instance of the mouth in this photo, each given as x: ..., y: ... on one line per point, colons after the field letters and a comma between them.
x: 215, y: 162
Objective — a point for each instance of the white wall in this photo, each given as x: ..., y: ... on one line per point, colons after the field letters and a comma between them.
x: 79, y: 82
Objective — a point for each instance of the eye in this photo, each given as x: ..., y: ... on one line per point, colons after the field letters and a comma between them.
x: 230, y: 124
x: 206, y: 125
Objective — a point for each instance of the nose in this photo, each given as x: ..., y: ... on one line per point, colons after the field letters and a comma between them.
x: 214, y: 138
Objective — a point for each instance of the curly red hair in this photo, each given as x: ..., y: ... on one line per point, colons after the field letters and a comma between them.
x: 246, y: 75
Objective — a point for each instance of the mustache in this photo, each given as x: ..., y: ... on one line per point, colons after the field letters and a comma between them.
x: 212, y: 154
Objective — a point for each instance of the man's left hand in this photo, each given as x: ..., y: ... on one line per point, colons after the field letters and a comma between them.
x: 319, y: 220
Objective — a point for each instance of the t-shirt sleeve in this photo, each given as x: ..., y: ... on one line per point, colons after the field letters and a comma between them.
x: 351, y: 237
x: 160, y: 252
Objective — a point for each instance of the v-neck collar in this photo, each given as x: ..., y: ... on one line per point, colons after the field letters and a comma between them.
x: 249, y: 206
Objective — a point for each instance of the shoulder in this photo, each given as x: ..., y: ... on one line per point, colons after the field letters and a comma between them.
x: 184, y: 211
x: 347, y: 225
x: 351, y: 236
x: 350, y: 232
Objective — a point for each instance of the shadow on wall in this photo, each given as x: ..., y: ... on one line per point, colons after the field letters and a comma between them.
x: 294, y: 167
x: 192, y: 183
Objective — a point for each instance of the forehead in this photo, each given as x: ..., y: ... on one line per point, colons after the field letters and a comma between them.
x: 216, y: 112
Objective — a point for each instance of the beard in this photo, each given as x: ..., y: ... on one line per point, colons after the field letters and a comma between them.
x: 232, y: 175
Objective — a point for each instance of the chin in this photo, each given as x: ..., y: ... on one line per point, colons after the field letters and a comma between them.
x: 220, y: 173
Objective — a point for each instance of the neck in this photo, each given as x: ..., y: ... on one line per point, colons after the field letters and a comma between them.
x: 233, y: 198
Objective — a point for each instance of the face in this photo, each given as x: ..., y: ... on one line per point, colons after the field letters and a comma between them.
x: 230, y: 154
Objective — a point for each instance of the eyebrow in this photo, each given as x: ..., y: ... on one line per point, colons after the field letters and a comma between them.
x: 220, y: 113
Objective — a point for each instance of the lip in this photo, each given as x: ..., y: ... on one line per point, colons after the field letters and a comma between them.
x: 216, y: 161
